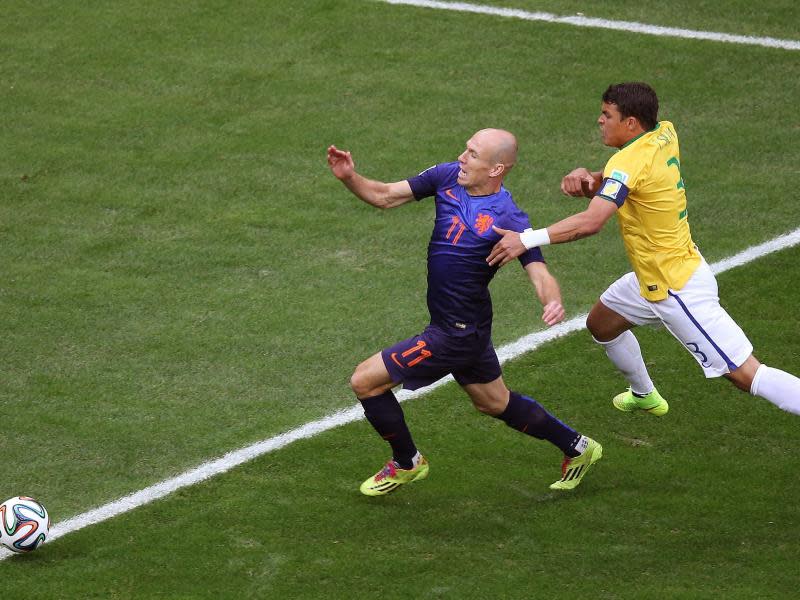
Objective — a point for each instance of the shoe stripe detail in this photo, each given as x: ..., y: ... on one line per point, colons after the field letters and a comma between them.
x: 392, y: 477
x: 574, y: 469
x: 385, y: 488
x: 573, y: 473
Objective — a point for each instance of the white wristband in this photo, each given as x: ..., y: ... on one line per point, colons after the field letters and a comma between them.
x: 531, y: 238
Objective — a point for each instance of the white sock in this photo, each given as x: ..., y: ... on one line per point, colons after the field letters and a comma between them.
x: 779, y: 387
x: 626, y: 355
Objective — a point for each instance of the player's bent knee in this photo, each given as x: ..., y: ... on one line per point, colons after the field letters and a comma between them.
x: 596, y: 326
x: 355, y: 382
x: 488, y: 398
x: 606, y: 325
x: 743, y: 377
x: 371, y: 378
x: 491, y: 409
x: 490, y: 405
x: 590, y: 325
x: 740, y: 382
x: 360, y: 383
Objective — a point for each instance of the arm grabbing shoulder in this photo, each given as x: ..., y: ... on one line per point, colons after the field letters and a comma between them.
x: 583, y: 224
x: 575, y: 227
x: 548, y: 291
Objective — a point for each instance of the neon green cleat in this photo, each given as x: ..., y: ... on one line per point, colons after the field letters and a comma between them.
x: 573, y: 469
x: 652, y: 403
x: 391, y: 477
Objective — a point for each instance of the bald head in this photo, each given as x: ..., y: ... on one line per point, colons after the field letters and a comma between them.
x: 501, y: 146
x: 489, y: 156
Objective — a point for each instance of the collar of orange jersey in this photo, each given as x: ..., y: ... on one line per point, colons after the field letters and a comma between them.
x: 630, y: 141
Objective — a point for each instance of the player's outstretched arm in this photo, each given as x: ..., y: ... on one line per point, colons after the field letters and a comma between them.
x: 548, y: 291
x: 575, y: 227
x: 581, y: 182
x: 582, y: 224
x: 376, y: 193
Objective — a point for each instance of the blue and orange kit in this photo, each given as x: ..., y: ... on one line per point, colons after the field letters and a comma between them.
x: 462, y: 237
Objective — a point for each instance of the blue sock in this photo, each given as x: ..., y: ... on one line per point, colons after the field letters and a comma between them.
x: 526, y: 415
x: 384, y: 414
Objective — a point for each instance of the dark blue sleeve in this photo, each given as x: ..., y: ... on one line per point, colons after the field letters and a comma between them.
x: 532, y: 255
x: 434, y: 178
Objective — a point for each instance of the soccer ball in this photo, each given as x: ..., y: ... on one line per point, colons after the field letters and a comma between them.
x: 24, y: 524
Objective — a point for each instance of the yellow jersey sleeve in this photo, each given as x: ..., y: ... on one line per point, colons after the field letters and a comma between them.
x: 645, y: 182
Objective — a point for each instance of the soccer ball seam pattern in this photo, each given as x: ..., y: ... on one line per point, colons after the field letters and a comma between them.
x: 25, y: 524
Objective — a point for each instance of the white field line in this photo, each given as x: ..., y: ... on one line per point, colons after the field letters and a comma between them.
x: 238, y: 457
x: 581, y: 21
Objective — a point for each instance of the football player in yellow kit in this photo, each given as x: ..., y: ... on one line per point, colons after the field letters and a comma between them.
x: 671, y: 284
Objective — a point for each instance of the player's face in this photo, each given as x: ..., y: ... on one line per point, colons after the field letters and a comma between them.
x: 474, y: 164
x: 615, y: 130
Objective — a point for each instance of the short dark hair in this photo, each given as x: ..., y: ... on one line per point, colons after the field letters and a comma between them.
x: 634, y: 99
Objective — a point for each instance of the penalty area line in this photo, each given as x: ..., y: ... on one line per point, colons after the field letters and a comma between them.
x: 235, y: 458
x: 583, y: 21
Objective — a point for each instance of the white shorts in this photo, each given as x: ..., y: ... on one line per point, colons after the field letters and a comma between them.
x: 693, y: 315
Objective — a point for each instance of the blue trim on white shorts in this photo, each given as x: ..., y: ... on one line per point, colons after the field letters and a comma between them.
x: 731, y: 367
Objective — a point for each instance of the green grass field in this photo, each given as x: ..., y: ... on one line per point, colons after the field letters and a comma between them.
x: 181, y: 276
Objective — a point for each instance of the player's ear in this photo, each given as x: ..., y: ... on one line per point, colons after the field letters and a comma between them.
x: 497, y: 170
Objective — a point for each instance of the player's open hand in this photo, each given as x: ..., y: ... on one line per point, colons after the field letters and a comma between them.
x: 553, y: 313
x: 340, y: 162
x: 579, y: 182
x: 507, y: 248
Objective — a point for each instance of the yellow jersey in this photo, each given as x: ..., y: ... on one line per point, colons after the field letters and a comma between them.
x: 644, y: 180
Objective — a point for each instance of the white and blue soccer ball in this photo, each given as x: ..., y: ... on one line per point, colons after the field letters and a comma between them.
x: 24, y: 524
